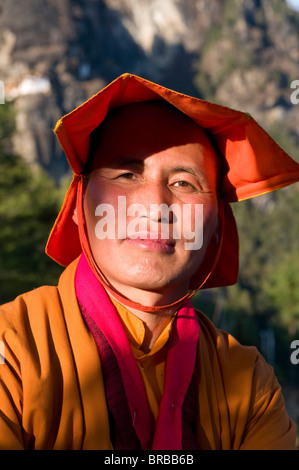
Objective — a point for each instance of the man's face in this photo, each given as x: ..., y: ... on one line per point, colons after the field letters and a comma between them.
x: 148, y: 155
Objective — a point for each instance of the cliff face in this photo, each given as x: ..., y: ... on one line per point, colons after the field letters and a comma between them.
x: 56, y: 53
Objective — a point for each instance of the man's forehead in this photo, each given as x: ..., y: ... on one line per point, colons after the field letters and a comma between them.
x: 143, y: 128
x: 155, y: 113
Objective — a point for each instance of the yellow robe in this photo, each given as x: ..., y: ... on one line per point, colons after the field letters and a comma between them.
x: 52, y: 393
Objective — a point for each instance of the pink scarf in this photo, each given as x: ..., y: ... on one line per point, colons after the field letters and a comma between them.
x: 179, y: 368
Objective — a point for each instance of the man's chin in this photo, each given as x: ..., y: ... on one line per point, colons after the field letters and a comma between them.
x: 161, y: 292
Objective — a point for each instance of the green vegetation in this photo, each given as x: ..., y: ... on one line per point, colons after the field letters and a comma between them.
x: 29, y: 203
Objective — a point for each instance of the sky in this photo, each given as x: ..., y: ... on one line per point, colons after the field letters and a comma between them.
x: 294, y: 4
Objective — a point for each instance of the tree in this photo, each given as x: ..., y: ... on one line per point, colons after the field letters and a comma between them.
x: 29, y: 202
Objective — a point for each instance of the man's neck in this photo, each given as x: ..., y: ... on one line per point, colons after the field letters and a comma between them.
x: 154, y: 323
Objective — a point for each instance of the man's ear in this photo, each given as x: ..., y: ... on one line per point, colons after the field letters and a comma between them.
x: 75, y: 216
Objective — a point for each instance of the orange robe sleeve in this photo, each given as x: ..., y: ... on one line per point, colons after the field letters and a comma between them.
x: 51, y: 387
x: 241, y: 385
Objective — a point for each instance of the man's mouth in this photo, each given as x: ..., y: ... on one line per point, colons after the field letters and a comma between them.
x: 152, y: 242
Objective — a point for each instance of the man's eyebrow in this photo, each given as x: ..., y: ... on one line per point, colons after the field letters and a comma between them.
x: 188, y: 169
x: 123, y: 162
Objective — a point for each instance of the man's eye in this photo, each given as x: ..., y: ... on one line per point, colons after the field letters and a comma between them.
x: 183, y: 184
x: 127, y: 176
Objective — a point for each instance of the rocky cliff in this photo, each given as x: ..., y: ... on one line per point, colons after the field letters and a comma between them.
x: 56, y: 53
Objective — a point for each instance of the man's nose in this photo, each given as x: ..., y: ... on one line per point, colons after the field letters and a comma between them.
x: 156, y: 199
x: 153, y: 201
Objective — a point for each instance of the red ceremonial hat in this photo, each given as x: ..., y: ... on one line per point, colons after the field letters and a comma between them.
x: 253, y: 164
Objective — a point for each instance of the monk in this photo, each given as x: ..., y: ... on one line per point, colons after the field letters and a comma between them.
x: 115, y: 357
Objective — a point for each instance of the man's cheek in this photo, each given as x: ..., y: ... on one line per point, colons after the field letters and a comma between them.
x: 192, y: 224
